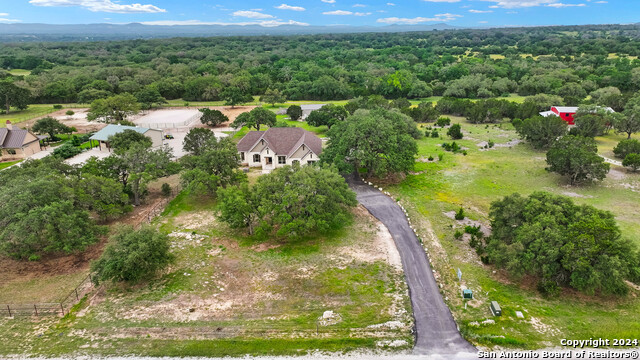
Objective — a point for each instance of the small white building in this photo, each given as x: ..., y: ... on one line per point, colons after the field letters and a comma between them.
x: 278, y: 147
x: 103, y: 135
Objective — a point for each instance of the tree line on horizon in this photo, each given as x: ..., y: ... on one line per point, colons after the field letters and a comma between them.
x: 461, y: 63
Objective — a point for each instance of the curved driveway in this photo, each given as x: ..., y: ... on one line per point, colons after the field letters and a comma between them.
x: 436, y: 331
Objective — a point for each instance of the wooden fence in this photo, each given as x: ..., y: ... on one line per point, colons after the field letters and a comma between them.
x: 86, y: 285
x: 58, y: 308
x: 159, y: 207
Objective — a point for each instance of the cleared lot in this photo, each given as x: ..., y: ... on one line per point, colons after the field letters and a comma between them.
x: 168, y: 119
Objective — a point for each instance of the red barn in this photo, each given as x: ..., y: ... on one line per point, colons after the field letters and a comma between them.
x: 566, y: 113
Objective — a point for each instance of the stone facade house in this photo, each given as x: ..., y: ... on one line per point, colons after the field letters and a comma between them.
x: 16, y: 143
x: 278, y: 147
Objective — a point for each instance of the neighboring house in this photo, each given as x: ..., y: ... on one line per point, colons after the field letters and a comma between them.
x: 307, y: 109
x: 16, y: 143
x: 103, y: 135
x: 278, y: 147
x: 566, y: 113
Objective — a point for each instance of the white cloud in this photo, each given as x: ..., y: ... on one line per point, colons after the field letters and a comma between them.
x: 359, y: 5
x: 252, y: 14
x: 4, y: 14
x: 362, y: 13
x: 482, y: 22
x: 391, y: 4
x: 289, y: 7
x: 480, y: 11
x: 265, y: 23
x: 338, y: 12
x: 512, y: 4
x: 329, y: 1
x: 445, y: 1
x: 101, y: 6
x: 561, y: 5
x: 418, y: 20
x: 5, y: 20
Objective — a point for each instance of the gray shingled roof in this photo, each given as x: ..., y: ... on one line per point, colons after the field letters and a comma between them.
x: 14, y: 139
x: 3, y: 134
x: 247, y: 142
x: 283, y: 141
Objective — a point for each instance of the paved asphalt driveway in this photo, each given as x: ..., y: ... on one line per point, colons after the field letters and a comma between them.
x: 437, y: 332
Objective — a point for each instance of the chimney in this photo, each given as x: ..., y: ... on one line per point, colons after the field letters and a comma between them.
x: 9, y: 126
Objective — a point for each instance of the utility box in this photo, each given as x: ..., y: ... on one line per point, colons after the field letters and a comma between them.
x: 495, y: 309
x: 467, y: 294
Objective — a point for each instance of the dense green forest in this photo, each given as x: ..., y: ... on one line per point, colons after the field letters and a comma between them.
x: 571, y: 62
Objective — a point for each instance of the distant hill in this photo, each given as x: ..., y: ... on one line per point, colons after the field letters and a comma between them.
x: 92, y: 32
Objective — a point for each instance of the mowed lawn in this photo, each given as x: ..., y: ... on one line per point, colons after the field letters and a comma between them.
x: 17, y: 116
x: 473, y: 182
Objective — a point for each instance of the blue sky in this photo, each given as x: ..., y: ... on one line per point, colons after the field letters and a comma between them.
x: 470, y: 13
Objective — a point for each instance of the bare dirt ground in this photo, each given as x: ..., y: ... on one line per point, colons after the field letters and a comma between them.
x: 228, y: 289
x: 80, y: 122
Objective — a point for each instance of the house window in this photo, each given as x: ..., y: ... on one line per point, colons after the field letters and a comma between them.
x: 282, y: 160
x: 311, y: 162
x: 11, y: 152
x: 296, y: 162
x: 256, y: 157
x: 242, y: 156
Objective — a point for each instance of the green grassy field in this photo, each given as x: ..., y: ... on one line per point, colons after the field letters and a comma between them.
x: 33, y: 111
x: 4, y: 165
x: 473, y: 182
x: 229, y: 294
x: 20, y: 72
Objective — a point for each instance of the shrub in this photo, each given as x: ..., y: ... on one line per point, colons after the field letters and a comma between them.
x: 453, y: 147
x: 75, y: 140
x: 434, y: 134
x: 473, y: 230
x: 430, y: 157
x: 443, y: 121
x: 632, y: 161
x: 282, y: 124
x: 491, y: 143
x: 458, y: 235
x: 460, y: 214
x: 57, y: 107
x: 132, y: 255
x: 474, y: 242
x: 70, y: 112
x: 626, y: 147
x: 166, y: 190
x: 455, y: 132
x: 66, y: 150
x: 440, y: 156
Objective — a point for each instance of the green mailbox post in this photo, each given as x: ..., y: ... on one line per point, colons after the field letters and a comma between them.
x: 467, y: 294
x: 495, y: 309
